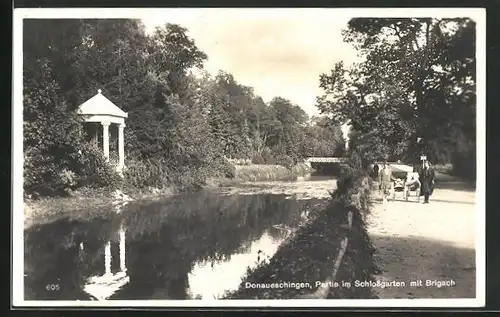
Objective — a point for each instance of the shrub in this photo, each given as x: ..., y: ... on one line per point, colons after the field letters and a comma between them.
x: 258, y: 159
x: 285, y: 160
x: 51, y: 175
x: 43, y: 177
x: 67, y: 178
x: 147, y: 173
x: 224, y: 168
x: 93, y: 168
x: 268, y: 157
x: 160, y: 173
x: 350, y: 173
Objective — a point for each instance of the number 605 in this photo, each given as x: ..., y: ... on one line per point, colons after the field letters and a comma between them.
x: 52, y: 287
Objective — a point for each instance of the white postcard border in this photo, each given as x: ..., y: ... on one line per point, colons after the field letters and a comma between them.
x: 17, y: 253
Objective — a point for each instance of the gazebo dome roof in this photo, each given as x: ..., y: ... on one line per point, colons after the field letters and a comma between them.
x: 100, y: 105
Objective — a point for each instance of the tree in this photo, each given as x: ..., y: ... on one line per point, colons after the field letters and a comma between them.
x: 412, y: 83
x: 323, y: 139
x: 171, y: 54
x: 293, y: 120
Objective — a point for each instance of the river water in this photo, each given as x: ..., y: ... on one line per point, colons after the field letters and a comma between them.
x: 191, y: 246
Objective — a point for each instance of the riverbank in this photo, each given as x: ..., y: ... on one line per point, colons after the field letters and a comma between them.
x: 311, y: 253
x: 85, y: 204
x: 254, y: 172
x: 90, y: 203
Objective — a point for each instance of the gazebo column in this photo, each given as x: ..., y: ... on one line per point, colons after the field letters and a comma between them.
x: 123, y: 266
x: 107, y: 259
x: 96, y: 135
x: 121, y: 147
x: 105, y: 139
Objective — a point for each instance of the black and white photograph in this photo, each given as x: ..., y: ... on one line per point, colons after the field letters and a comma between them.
x: 256, y: 157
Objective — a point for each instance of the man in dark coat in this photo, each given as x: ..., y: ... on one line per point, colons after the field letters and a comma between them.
x: 375, y: 171
x: 426, y: 176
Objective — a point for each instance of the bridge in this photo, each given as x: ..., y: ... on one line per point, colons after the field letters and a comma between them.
x: 325, y: 159
x: 331, y: 164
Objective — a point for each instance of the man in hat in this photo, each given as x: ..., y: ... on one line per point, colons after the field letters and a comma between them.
x: 426, y: 176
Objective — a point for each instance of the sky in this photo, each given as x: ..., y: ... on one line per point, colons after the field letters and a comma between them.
x: 278, y: 52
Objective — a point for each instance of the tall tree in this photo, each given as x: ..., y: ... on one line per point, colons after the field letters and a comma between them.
x: 293, y: 119
x: 411, y: 84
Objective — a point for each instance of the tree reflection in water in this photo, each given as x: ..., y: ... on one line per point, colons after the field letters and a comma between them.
x: 167, y: 243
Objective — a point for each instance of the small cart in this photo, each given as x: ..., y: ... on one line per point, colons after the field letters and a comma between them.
x: 400, y: 188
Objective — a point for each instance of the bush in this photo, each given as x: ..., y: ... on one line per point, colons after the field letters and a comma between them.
x: 147, y: 173
x: 160, y: 173
x: 67, y: 178
x: 350, y: 174
x: 285, y: 160
x: 258, y: 159
x: 43, y: 177
x: 54, y: 175
x: 95, y: 171
x: 268, y: 157
x: 224, y: 168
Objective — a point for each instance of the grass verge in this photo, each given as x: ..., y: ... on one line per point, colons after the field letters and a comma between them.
x: 254, y: 172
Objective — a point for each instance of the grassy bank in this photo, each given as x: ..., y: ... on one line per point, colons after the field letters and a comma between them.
x: 311, y: 253
x: 254, y: 172
x: 84, y: 204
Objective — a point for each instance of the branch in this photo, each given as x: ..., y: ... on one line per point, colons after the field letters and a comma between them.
x: 395, y: 28
x: 398, y: 34
x: 416, y: 43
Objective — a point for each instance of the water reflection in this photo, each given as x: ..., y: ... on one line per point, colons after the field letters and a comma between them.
x: 104, y: 286
x: 192, y: 246
x: 211, y: 279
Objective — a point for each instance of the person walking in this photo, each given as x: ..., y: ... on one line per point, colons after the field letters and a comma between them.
x: 385, y: 181
x: 375, y: 171
x: 426, y: 176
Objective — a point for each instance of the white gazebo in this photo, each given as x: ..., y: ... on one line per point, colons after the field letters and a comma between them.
x: 101, y: 110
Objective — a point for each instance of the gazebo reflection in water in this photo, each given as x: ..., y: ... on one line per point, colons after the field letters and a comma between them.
x: 104, y: 286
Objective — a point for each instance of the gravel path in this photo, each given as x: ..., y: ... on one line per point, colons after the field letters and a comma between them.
x: 434, y: 242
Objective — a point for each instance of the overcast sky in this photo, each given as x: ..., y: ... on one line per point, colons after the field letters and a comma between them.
x: 277, y: 52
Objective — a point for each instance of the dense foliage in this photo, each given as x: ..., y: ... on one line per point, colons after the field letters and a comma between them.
x: 412, y: 93
x: 181, y: 126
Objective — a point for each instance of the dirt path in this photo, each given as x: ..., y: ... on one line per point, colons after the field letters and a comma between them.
x: 434, y: 241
